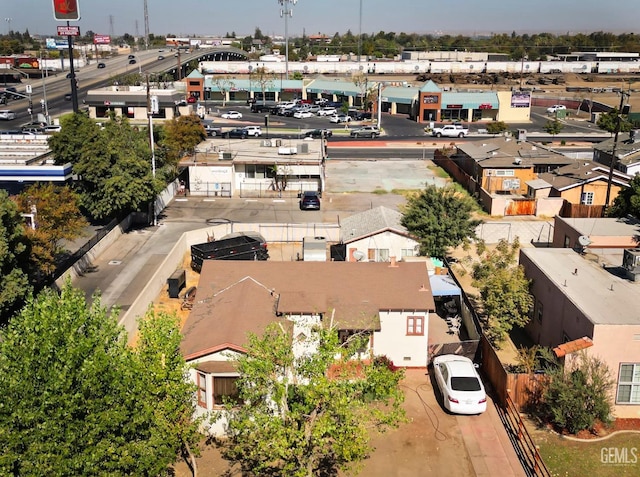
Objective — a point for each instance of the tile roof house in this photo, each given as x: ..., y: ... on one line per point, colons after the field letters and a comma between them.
x: 376, y: 235
x: 627, y: 152
x: 389, y: 301
x: 578, y: 300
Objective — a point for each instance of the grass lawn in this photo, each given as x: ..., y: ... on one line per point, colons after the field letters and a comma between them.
x: 618, y: 456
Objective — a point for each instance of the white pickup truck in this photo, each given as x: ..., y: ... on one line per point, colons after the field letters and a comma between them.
x: 450, y: 130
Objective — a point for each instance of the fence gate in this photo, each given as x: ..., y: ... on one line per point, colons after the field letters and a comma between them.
x: 520, y: 207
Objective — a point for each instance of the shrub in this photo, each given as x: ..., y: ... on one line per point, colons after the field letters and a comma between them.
x: 576, y: 396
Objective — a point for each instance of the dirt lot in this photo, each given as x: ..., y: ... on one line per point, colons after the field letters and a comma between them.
x: 430, y: 444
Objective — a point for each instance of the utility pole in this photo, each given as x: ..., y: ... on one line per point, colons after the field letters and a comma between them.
x: 286, y: 12
x: 623, y: 95
x: 146, y: 26
x: 152, y: 108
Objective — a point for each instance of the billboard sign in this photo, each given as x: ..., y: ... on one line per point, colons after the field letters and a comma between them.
x: 56, y: 44
x: 66, y: 10
x: 101, y: 39
x: 520, y: 100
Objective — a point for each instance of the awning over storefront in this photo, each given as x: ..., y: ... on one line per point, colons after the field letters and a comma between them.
x: 339, y: 88
x: 443, y: 285
x: 484, y: 100
x: 400, y: 95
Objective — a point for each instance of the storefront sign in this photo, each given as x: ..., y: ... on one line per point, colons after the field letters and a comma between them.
x: 485, y: 106
x: 454, y: 106
x: 430, y: 99
x: 68, y: 31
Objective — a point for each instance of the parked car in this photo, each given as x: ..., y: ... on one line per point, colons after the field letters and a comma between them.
x: 340, y: 118
x: 318, y: 133
x: 160, y: 57
x: 555, y: 108
x: 460, y: 384
x: 327, y: 111
x: 52, y: 128
x: 366, y: 131
x: 302, y: 114
x: 211, y: 130
x: 236, y: 132
x: 254, y: 131
x: 314, y: 108
x: 102, y: 65
x: 231, y: 115
x: 68, y: 97
x: 7, y: 115
x: 192, y: 99
x: 321, y: 101
x: 309, y: 200
x: 132, y: 62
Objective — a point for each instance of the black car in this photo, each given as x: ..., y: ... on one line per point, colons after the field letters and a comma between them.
x: 318, y: 133
x: 102, y: 65
x: 237, y: 132
x: 68, y: 97
x: 309, y: 200
x: 132, y: 62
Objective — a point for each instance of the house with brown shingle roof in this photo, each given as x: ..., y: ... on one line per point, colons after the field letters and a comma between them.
x: 390, y: 302
x: 583, y: 183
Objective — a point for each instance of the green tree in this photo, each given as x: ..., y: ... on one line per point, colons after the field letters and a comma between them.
x: 179, y: 137
x: 577, y: 395
x: 441, y: 218
x: 57, y: 218
x: 78, y: 136
x: 164, y: 379
x: 14, y: 259
x: 76, y: 400
x: 627, y: 202
x: 115, y: 174
x: 504, y: 289
x: 553, y: 127
x: 497, y: 127
x: 609, y: 121
x: 301, y: 419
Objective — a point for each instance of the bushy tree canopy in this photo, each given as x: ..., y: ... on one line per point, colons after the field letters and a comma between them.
x: 627, y: 202
x: 504, y: 289
x: 309, y: 415
x: 441, y: 218
x: 77, y: 401
x: 577, y: 395
x: 14, y: 258
x: 113, y: 165
x: 57, y: 217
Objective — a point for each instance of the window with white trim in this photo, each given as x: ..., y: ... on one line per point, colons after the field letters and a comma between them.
x: 224, y: 389
x: 586, y: 198
x: 628, y: 384
x: 202, y: 389
x: 415, y: 325
x: 505, y: 172
x: 407, y: 252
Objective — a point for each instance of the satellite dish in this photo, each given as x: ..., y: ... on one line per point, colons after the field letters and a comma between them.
x: 358, y: 255
x: 584, y: 240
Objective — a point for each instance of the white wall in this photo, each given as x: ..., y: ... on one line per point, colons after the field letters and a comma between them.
x: 393, y: 342
x: 386, y: 240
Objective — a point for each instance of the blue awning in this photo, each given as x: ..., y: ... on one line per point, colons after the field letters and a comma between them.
x: 443, y: 285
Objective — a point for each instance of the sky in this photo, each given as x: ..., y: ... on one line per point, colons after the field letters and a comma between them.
x: 218, y: 17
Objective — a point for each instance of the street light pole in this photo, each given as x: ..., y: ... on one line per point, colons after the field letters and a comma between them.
x: 360, y: 33
x: 286, y: 12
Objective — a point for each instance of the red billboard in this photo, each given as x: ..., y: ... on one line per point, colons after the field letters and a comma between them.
x: 101, y: 39
x: 66, y: 10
